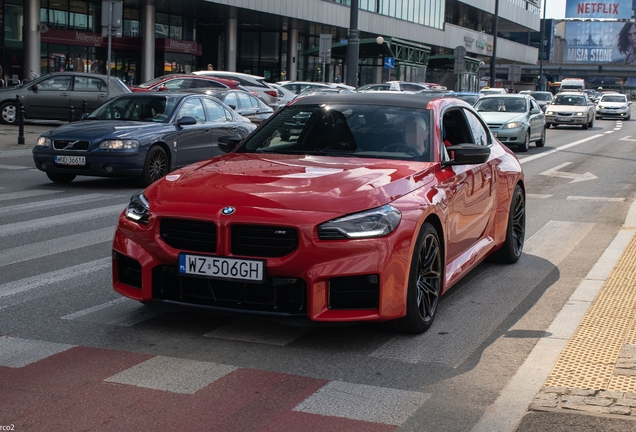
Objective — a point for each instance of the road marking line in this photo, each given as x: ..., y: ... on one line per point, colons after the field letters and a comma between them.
x: 17, y: 353
x: 173, y: 375
x: 53, y: 277
x: 90, y: 310
x: 26, y: 194
x: 575, y: 177
x: 587, y: 198
x: 59, y: 219
x: 56, y: 245
x: 539, y: 196
x: 564, y: 147
x: 609, y: 132
x: 363, y: 402
x: 13, y: 167
x: 58, y: 202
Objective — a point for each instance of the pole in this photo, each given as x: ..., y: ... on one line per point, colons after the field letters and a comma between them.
x: 542, y: 51
x: 110, y: 40
x: 495, y: 30
x: 353, y: 46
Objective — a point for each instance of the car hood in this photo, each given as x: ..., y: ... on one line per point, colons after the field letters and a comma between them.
x: 502, y: 117
x: 292, y: 182
x: 92, y: 129
x: 567, y: 108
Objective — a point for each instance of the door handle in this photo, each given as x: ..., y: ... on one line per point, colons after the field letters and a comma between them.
x: 64, y: 94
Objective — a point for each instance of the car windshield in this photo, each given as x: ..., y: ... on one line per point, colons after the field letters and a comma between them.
x: 345, y: 130
x: 569, y: 100
x: 147, y: 108
x: 614, y: 99
x: 541, y: 96
x: 506, y: 104
x: 471, y: 99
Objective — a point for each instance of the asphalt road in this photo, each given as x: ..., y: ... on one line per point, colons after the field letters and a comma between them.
x: 55, y: 293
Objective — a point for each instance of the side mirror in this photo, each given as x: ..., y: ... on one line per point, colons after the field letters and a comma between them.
x: 468, y: 154
x: 535, y: 111
x: 35, y: 88
x: 233, y: 107
x: 186, y: 121
x: 83, y: 116
x: 162, y: 88
x: 229, y: 143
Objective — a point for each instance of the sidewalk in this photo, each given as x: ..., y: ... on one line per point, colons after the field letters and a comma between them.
x: 32, y: 130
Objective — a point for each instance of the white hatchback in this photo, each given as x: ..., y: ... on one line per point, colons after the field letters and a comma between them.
x: 613, y: 105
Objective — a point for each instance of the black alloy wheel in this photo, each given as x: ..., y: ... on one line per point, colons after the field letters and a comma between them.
x: 512, y: 248
x: 425, y: 283
x: 155, y: 167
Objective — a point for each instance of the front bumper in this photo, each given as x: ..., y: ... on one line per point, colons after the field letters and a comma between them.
x: 511, y: 137
x: 609, y: 112
x: 327, y: 281
x: 100, y: 164
x: 566, y: 119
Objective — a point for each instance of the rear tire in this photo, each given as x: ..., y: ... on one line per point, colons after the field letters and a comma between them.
x: 425, y: 283
x: 512, y: 248
x: 541, y: 141
x: 526, y: 144
x: 9, y: 113
x: 60, y: 177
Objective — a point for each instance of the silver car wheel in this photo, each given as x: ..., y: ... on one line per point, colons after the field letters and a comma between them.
x: 9, y: 113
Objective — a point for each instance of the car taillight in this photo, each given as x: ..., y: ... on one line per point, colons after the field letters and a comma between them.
x: 272, y: 93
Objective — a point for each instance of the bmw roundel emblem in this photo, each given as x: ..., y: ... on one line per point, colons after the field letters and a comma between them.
x: 228, y: 211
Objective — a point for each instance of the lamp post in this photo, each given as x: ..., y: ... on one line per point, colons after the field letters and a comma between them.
x: 353, y: 46
x: 380, y: 41
x: 495, y: 30
x: 542, y: 50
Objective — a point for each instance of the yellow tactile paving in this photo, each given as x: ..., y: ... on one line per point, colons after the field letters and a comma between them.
x: 589, y: 358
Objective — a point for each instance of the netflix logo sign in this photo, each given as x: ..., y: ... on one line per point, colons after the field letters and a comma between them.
x: 615, y: 9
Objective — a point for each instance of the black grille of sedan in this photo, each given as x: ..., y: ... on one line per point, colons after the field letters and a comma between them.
x: 494, y: 125
x: 564, y: 114
x: 189, y: 235
x: 70, y: 145
x: 263, y: 241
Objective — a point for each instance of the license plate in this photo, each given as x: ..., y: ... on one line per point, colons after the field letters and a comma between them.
x: 565, y: 119
x: 226, y: 268
x: 295, y: 131
x: 70, y: 160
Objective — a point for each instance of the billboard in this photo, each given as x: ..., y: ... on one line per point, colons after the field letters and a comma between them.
x: 614, y: 9
x: 598, y: 42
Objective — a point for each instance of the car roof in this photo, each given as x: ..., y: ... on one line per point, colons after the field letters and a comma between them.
x: 221, y: 73
x: 505, y: 95
x: 390, y: 98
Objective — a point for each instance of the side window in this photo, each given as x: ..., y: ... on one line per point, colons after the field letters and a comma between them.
x: 202, y: 83
x: 254, y: 101
x: 193, y: 108
x: 57, y: 83
x: 230, y: 99
x: 244, y: 98
x: 216, y: 113
x: 455, y: 130
x: 177, y: 84
x: 479, y: 132
x: 88, y: 84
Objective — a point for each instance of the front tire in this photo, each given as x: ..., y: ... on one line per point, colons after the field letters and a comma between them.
x: 541, y: 141
x: 425, y: 283
x: 60, y: 177
x: 511, y: 250
x: 155, y: 166
x: 9, y: 113
x: 526, y: 143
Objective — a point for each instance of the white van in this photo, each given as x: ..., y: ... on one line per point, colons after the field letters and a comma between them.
x: 572, y: 84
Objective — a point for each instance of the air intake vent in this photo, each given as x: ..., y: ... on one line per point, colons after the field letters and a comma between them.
x: 263, y: 241
x: 189, y: 235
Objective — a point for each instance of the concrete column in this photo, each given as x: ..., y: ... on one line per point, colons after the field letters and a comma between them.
x: 147, y: 40
x: 231, y: 40
x: 377, y: 76
x: 31, y: 39
x: 292, y: 52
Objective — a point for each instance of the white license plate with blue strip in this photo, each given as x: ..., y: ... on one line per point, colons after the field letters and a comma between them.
x: 217, y: 267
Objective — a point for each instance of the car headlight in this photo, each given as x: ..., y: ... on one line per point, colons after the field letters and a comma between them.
x: 513, y: 125
x: 43, y: 141
x: 376, y: 222
x: 580, y: 114
x: 550, y: 112
x: 119, y: 145
x: 602, y: 107
x: 138, y: 208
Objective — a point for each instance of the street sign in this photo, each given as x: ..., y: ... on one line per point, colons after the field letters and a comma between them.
x: 389, y: 62
x: 460, y: 61
x: 324, y: 51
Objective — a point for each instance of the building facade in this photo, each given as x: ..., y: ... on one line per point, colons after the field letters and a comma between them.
x: 277, y: 39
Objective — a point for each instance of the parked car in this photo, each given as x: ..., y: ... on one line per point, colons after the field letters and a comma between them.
x: 252, y: 83
x: 284, y: 95
x: 395, y: 86
x: 144, y: 135
x: 351, y: 218
x: 242, y: 102
x: 571, y: 108
x: 515, y: 119
x: 180, y: 82
x: 470, y: 97
x: 543, y: 98
x: 51, y: 97
x: 614, y: 106
x: 300, y: 86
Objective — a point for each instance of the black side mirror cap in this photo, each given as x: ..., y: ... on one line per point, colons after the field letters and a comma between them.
x: 83, y: 116
x: 187, y: 121
x: 468, y: 154
x: 229, y: 143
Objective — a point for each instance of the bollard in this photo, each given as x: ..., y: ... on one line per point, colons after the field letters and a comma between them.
x: 71, y: 114
x: 84, y: 107
x: 19, y: 112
